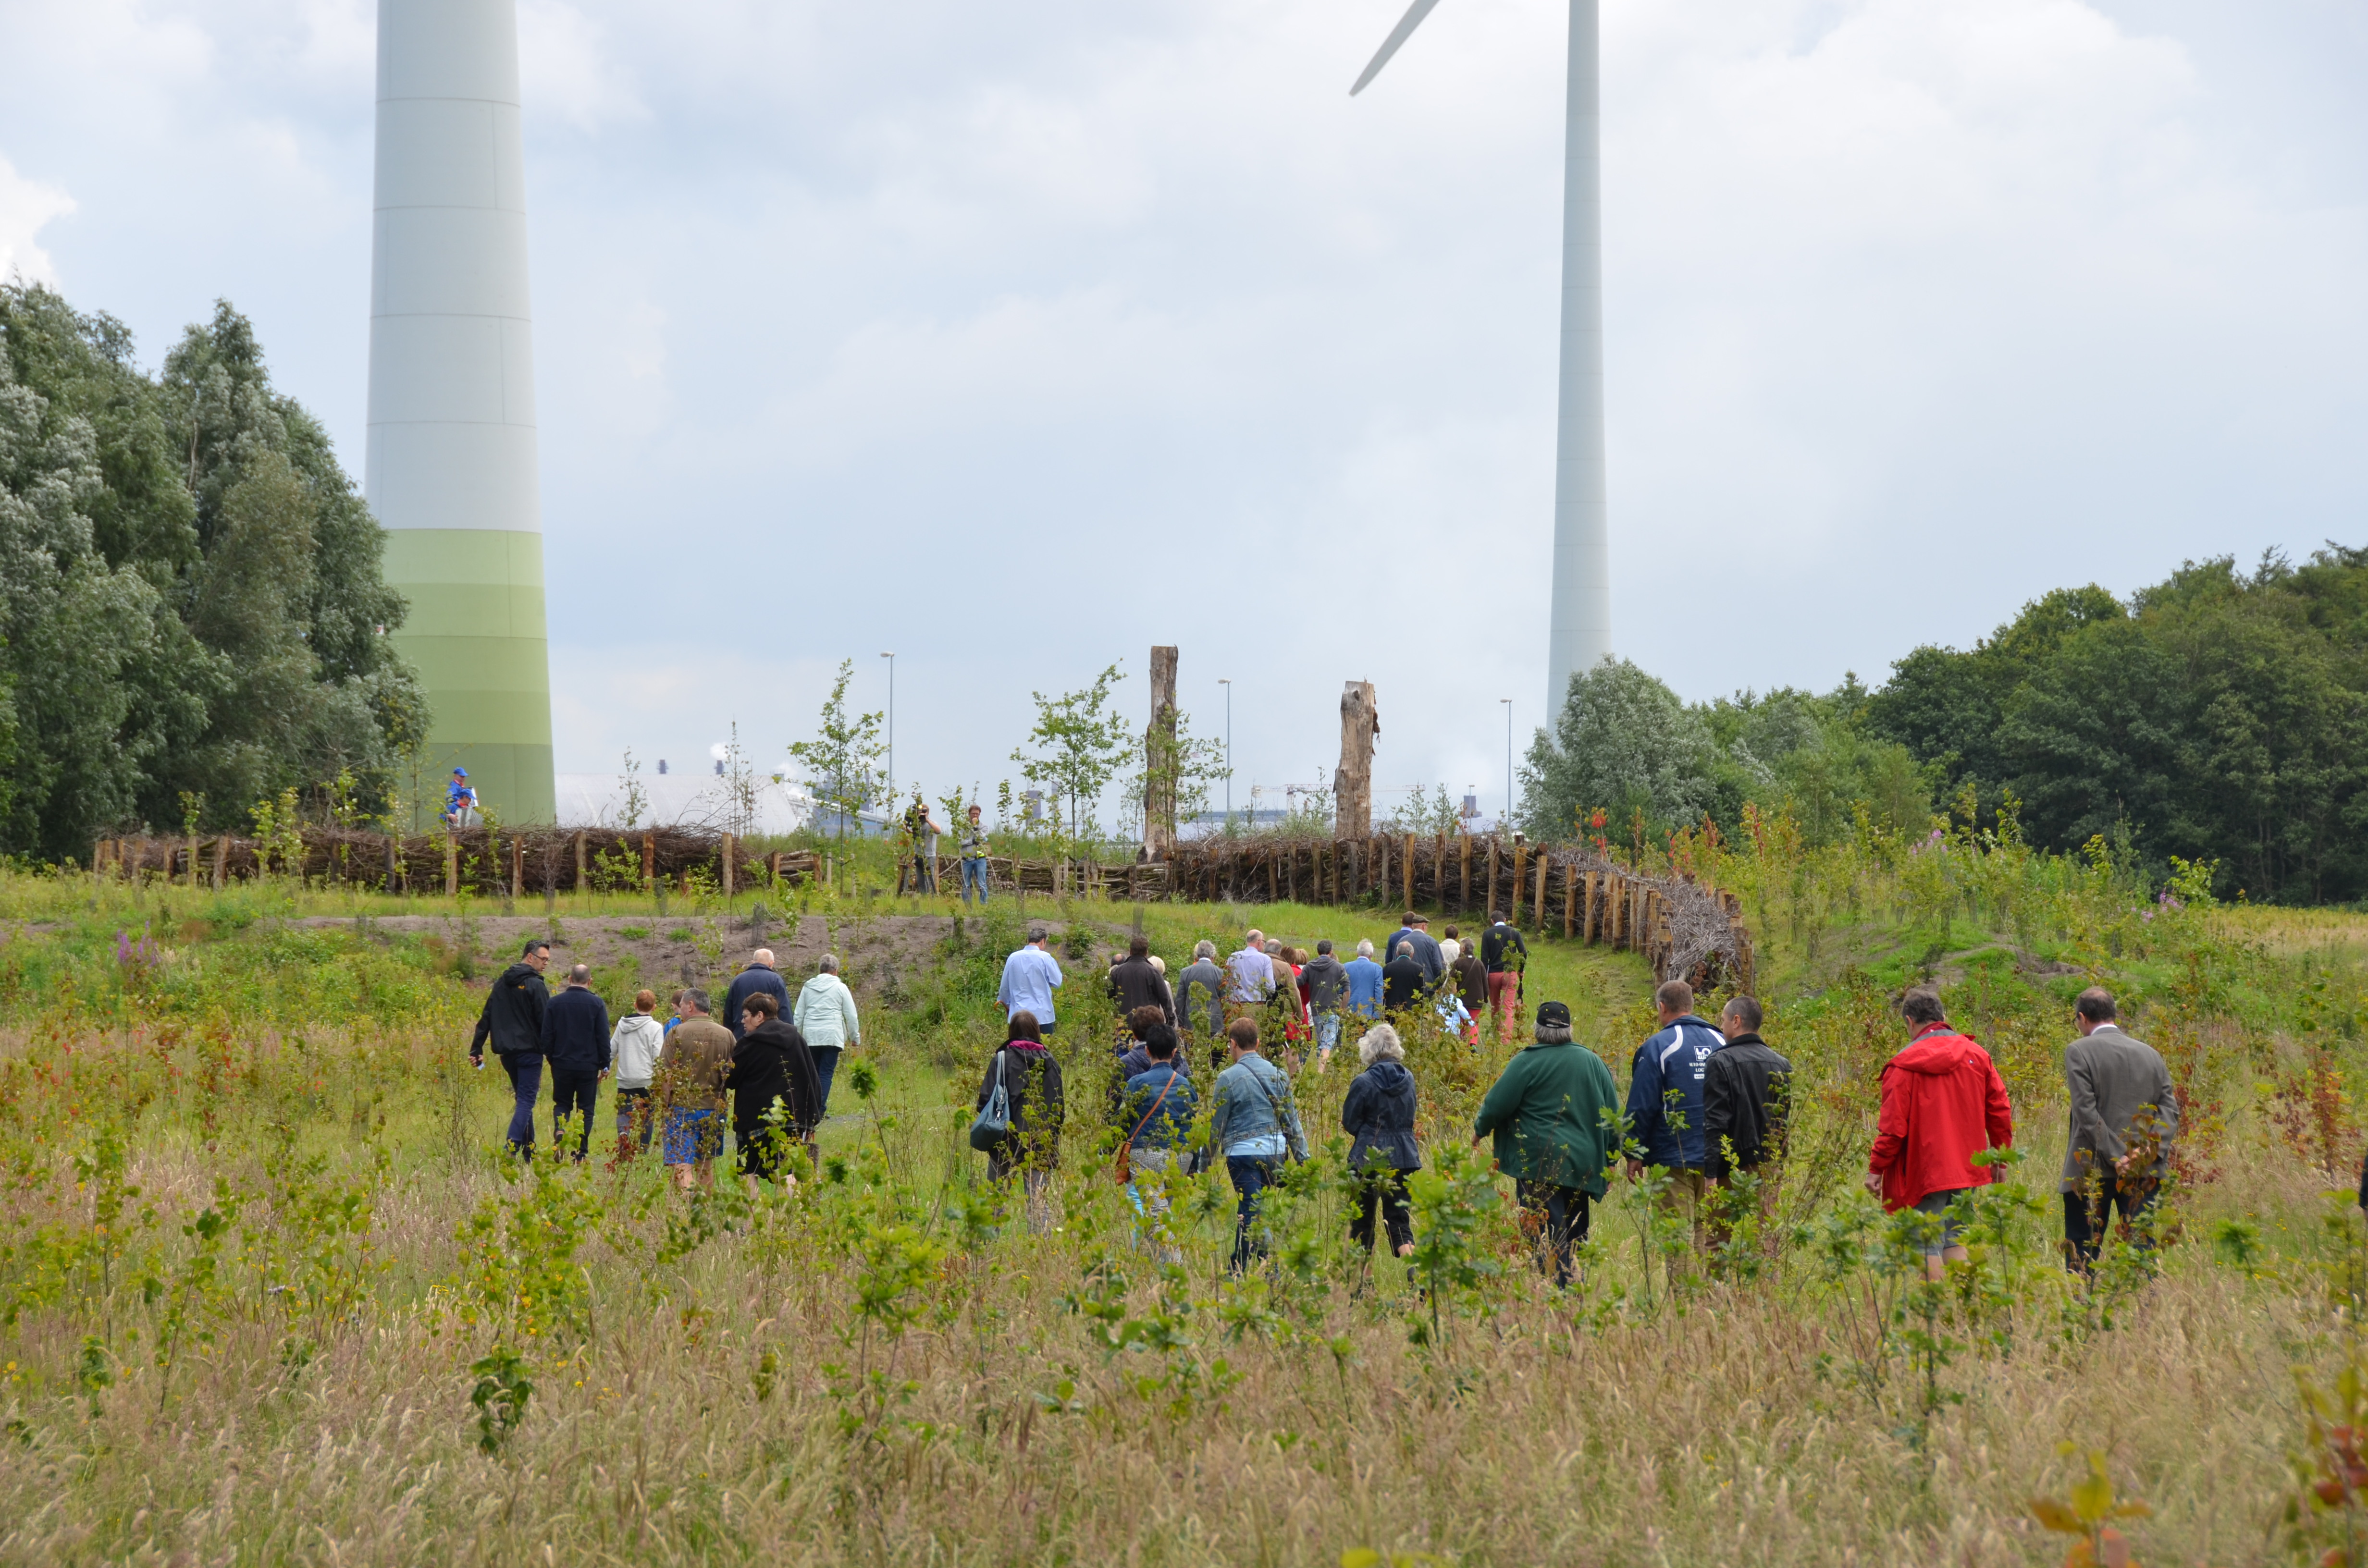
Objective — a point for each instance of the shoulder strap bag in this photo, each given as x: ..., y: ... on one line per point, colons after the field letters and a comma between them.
x: 1123, y: 1170
x: 994, y: 1123
x: 1280, y: 1125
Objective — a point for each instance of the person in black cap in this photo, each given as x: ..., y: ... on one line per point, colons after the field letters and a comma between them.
x: 1547, y: 1116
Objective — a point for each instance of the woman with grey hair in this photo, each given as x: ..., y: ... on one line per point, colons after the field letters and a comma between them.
x: 826, y: 1016
x: 1378, y: 1116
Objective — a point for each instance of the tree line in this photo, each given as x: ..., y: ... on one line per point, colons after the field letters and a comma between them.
x: 2219, y: 716
x: 192, y: 613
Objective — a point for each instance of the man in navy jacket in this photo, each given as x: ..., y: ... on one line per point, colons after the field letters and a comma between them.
x: 575, y: 1043
x: 1665, y: 1101
x: 760, y: 975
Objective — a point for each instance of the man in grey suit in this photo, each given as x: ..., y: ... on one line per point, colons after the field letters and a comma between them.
x: 2124, y: 1114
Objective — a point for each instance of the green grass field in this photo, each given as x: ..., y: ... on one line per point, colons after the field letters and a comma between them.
x: 271, y: 1293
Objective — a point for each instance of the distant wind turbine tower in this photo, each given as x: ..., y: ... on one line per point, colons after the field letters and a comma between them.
x: 1579, y: 633
x: 452, y: 465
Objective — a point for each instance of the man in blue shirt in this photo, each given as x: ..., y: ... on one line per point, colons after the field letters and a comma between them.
x: 1029, y: 978
x: 1364, y: 983
x: 1664, y: 1102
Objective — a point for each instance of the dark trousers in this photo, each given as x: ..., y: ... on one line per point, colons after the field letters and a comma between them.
x: 635, y: 1111
x: 1564, y: 1210
x: 1252, y: 1174
x: 1384, y: 1191
x: 2085, y: 1227
x: 572, y: 1092
x: 825, y: 1061
x: 526, y: 1086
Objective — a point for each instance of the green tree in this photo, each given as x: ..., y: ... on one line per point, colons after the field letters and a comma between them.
x: 1622, y: 741
x: 1082, y: 743
x: 190, y: 591
x: 843, y: 759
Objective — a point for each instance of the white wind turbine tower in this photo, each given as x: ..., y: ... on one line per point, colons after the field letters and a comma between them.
x: 1579, y: 634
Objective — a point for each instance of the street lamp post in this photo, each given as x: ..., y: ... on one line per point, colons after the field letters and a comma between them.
x: 892, y: 730
x: 1228, y: 685
x: 1508, y: 760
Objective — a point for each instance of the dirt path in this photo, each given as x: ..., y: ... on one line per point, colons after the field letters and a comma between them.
x: 876, y: 951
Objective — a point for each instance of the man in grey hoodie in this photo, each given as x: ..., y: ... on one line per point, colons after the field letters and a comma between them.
x: 2124, y: 1114
x: 826, y: 1016
x: 1326, y: 979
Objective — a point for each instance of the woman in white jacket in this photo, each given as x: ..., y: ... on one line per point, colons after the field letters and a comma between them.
x: 826, y: 1016
x: 633, y: 1047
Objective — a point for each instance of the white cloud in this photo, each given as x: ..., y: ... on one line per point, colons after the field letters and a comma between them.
x: 25, y: 206
x: 1040, y: 333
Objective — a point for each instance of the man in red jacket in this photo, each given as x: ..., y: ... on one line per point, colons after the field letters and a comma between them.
x: 1943, y: 1102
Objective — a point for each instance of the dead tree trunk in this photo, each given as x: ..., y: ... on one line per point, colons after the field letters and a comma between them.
x: 1352, y: 783
x: 1160, y: 762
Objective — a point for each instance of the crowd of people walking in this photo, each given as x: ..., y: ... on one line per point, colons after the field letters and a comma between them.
x: 1702, y: 1130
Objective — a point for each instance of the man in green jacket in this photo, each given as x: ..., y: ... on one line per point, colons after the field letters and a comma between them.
x: 1547, y: 1116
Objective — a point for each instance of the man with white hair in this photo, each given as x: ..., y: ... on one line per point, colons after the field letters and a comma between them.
x: 759, y: 975
x: 1364, y: 983
x: 1251, y: 972
x: 1201, y: 993
x: 826, y: 1016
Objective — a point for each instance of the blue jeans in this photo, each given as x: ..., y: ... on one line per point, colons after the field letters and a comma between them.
x: 1327, y: 1032
x: 525, y: 1084
x: 572, y: 1093
x: 974, y: 875
x: 1252, y: 1174
x: 825, y: 1061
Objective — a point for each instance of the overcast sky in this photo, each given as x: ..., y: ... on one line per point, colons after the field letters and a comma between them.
x: 1016, y: 338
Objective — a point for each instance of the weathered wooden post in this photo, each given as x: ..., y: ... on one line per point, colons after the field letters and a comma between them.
x: 1538, y: 918
x: 649, y: 862
x: 1569, y: 901
x: 1464, y: 902
x: 583, y: 881
x: 1160, y: 762
x: 1352, y: 781
x: 517, y: 867
x: 724, y: 854
x: 1521, y: 875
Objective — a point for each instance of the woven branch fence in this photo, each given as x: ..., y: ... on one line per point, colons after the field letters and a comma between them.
x: 1682, y: 926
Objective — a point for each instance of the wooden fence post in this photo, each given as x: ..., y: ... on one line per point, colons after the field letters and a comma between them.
x: 1521, y: 875
x: 452, y: 865
x: 1491, y: 899
x: 1407, y: 849
x: 1569, y: 900
x: 650, y: 863
x: 1463, y: 903
x: 517, y: 867
x: 582, y: 882
x: 724, y: 856
x: 1539, y: 919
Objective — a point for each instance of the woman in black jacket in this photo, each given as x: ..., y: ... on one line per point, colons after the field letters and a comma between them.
x: 1378, y: 1116
x: 1031, y: 1084
x: 772, y: 1063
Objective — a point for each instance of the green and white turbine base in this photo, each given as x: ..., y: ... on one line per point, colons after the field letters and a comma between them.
x: 451, y: 471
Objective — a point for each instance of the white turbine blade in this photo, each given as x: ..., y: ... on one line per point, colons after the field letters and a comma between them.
x: 1398, y: 35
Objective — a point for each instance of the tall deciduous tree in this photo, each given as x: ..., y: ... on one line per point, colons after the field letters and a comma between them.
x: 190, y: 591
